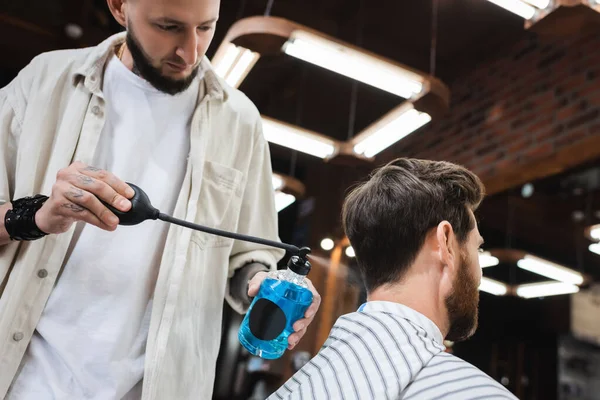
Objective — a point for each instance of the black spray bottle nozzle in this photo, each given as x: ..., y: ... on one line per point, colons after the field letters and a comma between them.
x: 142, y: 209
x: 304, y: 252
x: 299, y: 263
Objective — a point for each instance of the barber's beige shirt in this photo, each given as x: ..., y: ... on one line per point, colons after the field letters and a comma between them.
x: 51, y: 115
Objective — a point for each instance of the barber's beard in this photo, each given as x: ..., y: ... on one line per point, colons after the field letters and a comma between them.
x: 463, y: 304
x: 143, y: 67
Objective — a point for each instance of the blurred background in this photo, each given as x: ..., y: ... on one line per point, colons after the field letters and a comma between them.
x: 509, y: 89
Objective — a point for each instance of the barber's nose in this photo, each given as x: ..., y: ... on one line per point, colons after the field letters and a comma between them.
x: 188, y: 50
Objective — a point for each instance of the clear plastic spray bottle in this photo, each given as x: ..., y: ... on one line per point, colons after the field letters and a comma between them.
x: 282, y: 300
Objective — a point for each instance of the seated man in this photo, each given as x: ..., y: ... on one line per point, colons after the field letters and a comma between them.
x: 416, y: 241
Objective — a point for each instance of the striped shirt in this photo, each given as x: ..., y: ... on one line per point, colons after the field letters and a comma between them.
x: 388, y: 351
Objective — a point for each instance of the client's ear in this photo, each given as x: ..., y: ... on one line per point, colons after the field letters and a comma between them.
x: 447, y: 246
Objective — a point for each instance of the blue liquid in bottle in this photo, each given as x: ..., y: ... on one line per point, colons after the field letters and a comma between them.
x: 282, y: 300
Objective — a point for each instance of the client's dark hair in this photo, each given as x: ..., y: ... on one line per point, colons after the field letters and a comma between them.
x: 388, y: 217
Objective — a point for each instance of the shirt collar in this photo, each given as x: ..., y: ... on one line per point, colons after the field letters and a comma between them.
x: 407, y: 313
x: 92, y: 68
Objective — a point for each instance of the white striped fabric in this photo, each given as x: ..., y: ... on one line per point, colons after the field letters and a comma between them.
x: 388, y: 351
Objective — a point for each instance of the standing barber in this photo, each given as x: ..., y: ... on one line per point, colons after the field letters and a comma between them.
x: 89, y: 310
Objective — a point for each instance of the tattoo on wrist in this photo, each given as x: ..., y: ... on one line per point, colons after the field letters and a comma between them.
x: 73, y: 207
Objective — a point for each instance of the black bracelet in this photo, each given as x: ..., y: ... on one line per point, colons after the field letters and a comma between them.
x: 20, y: 221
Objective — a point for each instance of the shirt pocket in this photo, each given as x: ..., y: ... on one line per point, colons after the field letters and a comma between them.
x: 219, y: 203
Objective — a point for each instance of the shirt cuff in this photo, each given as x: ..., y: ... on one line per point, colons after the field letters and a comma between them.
x: 238, y: 286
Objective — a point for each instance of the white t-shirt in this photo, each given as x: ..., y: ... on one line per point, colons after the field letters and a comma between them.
x: 90, y: 341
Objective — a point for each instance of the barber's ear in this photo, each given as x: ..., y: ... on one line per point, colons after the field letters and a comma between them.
x: 446, y: 244
x: 118, y: 10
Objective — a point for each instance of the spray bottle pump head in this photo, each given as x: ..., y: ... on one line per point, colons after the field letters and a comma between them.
x: 299, y: 263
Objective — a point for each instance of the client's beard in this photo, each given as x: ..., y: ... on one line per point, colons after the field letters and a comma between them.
x: 463, y: 304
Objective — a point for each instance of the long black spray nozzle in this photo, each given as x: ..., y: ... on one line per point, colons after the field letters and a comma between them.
x: 142, y: 210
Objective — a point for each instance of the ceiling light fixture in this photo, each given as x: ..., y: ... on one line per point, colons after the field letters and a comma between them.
x: 550, y: 270
x: 286, y: 190
x: 545, y: 289
x: 350, y: 252
x: 74, y: 31
x: 233, y: 63
x: 327, y: 244
x: 518, y: 7
x: 492, y: 286
x: 486, y: 259
x: 541, y: 4
x: 389, y: 130
x: 277, y: 182
x: 298, y: 139
x: 354, y: 64
x: 593, y: 232
x: 254, y: 37
x: 283, y: 200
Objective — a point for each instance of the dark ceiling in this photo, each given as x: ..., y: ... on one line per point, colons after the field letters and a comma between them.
x: 549, y: 223
x: 293, y: 91
x: 290, y: 90
x: 468, y: 30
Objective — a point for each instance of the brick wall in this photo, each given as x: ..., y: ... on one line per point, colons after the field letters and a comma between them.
x: 527, y: 103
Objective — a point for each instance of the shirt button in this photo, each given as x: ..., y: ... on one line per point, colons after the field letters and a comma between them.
x: 18, y: 336
x: 42, y: 273
x: 95, y: 110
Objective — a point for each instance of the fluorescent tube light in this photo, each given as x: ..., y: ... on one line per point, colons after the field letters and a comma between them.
x: 518, y: 7
x: 550, y: 270
x: 277, y: 182
x: 595, y: 230
x: 541, y: 4
x: 282, y: 200
x: 545, y: 289
x: 486, y: 259
x: 595, y: 247
x: 297, y: 139
x: 234, y: 64
x: 385, y: 133
x: 493, y: 287
x: 352, y: 63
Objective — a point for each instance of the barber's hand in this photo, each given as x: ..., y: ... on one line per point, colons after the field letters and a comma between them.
x: 74, y: 199
x: 301, y: 324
